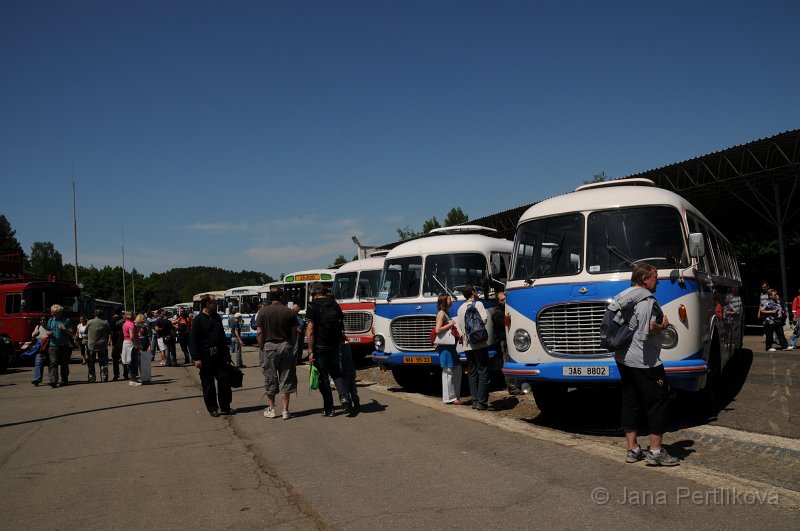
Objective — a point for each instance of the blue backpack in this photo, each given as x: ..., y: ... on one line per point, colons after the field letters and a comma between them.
x: 474, y: 326
x: 615, y: 334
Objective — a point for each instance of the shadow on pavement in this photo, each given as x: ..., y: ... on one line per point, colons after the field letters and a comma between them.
x: 95, y: 410
x: 596, y: 411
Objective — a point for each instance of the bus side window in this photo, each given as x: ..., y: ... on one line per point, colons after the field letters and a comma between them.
x: 13, y: 303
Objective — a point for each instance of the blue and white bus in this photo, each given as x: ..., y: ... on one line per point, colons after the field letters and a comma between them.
x: 414, y: 274
x: 244, y: 300
x: 575, y: 252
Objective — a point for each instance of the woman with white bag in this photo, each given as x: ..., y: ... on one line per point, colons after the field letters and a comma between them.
x: 445, y: 343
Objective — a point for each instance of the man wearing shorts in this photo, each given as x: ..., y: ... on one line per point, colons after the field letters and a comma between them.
x: 645, y: 392
x: 277, y: 333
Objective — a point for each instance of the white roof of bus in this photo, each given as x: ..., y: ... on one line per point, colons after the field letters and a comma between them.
x: 450, y: 243
x: 604, y: 199
x: 216, y: 294
x: 312, y: 272
x: 365, y: 264
x: 242, y: 290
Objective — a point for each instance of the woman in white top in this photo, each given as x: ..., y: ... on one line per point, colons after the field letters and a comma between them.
x: 82, y: 339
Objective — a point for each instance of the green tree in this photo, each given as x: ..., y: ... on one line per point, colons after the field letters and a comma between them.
x: 456, y: 216
x: 406, y: 233
x: 340, y: 260
x: 8, y: 239
x: 45, y: 260
x: 597, y: 178
x: 431, y: 224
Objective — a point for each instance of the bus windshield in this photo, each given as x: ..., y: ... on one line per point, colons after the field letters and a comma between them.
x: 344, y: 287
x: 401, y: 277
x: 549, y: 247
x: 616, y: 239
x: 368, y: 283
x: 451, y: 272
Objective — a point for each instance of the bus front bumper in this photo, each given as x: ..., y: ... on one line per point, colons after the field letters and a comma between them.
x: 418, y: 359
x: 686, y: 375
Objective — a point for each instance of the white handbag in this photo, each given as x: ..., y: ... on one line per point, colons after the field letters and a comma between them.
x: 445, y: 338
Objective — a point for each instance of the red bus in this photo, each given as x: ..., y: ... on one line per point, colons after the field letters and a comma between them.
x: 23, y: 301
x: 355, y: 289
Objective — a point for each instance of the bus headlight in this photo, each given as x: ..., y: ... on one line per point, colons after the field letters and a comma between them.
x: 522, y: 340
x: 669, y: 337
x: 380, y: 342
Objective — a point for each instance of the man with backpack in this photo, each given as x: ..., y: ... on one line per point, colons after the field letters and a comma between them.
x: 325, y: 334
x: 471, y: 321
x: 634, y: 337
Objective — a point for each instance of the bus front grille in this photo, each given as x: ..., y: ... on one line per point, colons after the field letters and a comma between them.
x: 572, y: 329
x: 413, y: 332
x: 357, y: 322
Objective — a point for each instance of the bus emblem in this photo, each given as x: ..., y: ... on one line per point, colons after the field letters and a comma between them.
x: 419, y: 308
x: 583, y: 291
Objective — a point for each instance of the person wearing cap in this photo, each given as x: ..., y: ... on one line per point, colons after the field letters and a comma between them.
x: 235, y: 324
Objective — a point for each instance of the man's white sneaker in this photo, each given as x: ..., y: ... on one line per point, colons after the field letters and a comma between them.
x: 771, y: 350
x: 269, y: 413
x: 286, y: 415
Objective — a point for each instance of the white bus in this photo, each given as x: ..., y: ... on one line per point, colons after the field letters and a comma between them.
x: 575, y: 252
x: 414, y: 274
x: 355, y: 289
x: 295, y: 286
x: 244, y: 300
x: 218, y: 295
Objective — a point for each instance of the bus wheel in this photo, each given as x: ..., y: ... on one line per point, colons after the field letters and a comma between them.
x: 710, y: 395
x: 409, y: 379
x: 549, y: 397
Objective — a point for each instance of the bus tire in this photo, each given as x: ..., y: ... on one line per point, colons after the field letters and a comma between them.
x: 410, y: 379
x: 549, y: 397
x: 710, y: 395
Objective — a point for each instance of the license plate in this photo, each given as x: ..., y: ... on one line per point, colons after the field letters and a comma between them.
x: 354, y: 339
x: 595, y: 370
x: 417, y: 359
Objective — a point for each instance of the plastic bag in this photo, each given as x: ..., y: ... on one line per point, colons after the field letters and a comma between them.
x: 313, y: 378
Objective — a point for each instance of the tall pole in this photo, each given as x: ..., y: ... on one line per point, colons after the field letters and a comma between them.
x: 124, y: 292
x: 75, y: 226
x: 781, y: 243
x: 133, y: 286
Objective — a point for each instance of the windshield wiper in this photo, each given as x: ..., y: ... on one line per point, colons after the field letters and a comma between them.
x: 619, y: 254
x: 452, y: 295
x: 554, y: 255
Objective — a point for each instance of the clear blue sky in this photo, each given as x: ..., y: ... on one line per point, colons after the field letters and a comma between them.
x: 263, y: 134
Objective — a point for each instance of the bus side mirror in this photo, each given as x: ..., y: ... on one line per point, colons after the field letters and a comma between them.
x: 697, y: 246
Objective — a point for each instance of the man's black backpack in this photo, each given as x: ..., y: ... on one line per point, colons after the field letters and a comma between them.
x: 474, y: 325
x: 330, y: 324
x: 615, y: 334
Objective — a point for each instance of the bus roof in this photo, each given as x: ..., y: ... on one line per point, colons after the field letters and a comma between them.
x: 242, y: 290
x: 605, y: 198
x: 450, y: 243
x: 216, y: 294
x: 365, y: 264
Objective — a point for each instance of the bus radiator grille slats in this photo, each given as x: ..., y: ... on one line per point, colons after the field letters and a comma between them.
x: 413, y: 333
x: 357, y: 322
x: 572, y: 329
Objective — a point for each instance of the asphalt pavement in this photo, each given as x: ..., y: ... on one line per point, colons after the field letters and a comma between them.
x: 111, y: 456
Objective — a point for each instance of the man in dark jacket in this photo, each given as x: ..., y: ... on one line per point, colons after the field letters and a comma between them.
x: 325, y: 334
x: 210, y: 353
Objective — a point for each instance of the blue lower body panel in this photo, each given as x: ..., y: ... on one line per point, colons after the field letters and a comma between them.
x: 686, y: 375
